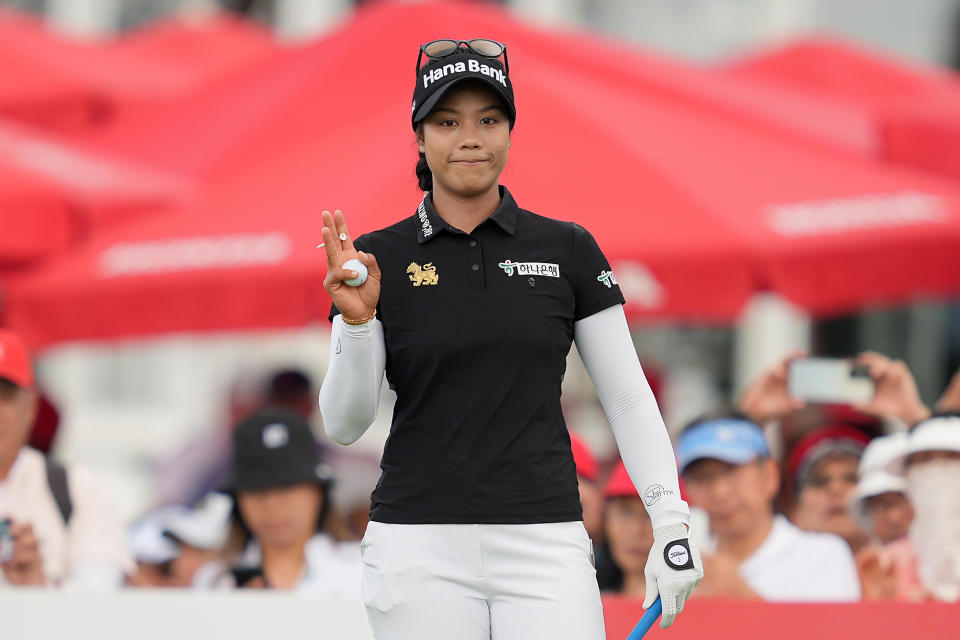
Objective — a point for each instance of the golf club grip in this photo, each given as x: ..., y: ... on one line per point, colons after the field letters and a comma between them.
x: 649, y: 617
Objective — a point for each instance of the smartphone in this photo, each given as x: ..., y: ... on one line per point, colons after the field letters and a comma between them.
x: 6, y: 540
x: 829, y: 381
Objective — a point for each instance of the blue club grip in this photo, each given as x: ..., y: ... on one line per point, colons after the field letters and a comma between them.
x: 649, y: 617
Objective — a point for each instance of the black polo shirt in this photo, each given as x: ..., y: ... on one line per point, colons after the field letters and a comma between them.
x: 477, y: 329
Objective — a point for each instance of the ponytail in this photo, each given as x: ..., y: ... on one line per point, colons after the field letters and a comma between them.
x: 424, y: 175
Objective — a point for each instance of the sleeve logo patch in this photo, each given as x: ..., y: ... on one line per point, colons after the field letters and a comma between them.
x: 607, y: 278
x: 530, y: 268
x: 677, y: 555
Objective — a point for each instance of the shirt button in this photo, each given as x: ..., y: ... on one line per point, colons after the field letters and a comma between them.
x: 473, y: 243
x: 475, y: 267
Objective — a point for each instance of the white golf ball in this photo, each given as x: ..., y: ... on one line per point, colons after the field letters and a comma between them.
x: 360, y: 268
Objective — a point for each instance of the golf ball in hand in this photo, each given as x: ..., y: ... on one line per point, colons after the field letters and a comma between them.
x: 360, y: 268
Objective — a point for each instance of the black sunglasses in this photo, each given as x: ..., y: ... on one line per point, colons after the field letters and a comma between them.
x: 439, y: 49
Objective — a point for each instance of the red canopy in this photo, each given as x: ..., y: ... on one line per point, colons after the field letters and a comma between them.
x: 914, y: 110
x: 73, y: 86
x: 53, y: 194
x: 697, y: 208
x: 49, y: 227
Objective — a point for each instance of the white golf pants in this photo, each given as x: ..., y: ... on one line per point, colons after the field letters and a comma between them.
x: 481, y: 582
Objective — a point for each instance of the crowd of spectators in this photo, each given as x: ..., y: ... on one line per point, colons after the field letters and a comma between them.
x: 791, y: 502
x: 805, y: 503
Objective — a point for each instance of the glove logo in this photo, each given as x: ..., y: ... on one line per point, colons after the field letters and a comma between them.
x: 677, y: 555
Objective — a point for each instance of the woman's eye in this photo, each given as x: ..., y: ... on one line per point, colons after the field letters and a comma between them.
x: 447, y: 123
x: 488, y: 121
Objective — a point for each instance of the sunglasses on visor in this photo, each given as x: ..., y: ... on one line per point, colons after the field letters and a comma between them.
x: 440, y: 49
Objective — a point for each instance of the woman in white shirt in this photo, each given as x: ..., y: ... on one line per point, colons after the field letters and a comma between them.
x: 282, y: 511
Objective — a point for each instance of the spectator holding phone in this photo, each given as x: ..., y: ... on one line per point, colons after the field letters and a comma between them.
x: 894, y: 394
x: 728, y: 471
x: 59, y: 524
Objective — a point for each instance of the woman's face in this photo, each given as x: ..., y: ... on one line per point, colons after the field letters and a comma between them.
x: 466, y: 139
x: 891, y: 515
x: 283, y: 516
x: 823, y: 503
x: 629, y: 534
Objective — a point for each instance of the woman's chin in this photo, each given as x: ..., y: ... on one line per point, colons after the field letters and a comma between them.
x: 471, y: 188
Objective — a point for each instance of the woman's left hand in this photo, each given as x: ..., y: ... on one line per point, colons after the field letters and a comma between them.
x: 353, y: 302
x: 673, y: 570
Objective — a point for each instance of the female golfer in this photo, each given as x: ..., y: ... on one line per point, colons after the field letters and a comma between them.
x: 470, y: 308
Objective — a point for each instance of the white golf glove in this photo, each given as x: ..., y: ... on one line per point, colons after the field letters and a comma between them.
x: 673, y: 570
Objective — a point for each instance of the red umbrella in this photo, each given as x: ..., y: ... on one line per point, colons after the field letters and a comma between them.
x: 696, y: 208
x: 914, y: 110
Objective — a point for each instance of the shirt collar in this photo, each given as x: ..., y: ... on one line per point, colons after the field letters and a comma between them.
x: 430, y: 222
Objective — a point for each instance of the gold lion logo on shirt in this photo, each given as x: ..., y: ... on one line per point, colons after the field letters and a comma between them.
x: 427, y: 274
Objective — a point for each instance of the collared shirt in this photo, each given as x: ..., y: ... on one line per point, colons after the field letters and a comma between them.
x: 91, y: 551
x: 477, y: 327
x: 792, y: 565
x: 332, y: 569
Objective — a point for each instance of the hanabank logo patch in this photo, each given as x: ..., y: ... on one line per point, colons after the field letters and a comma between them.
x: 549, y: 269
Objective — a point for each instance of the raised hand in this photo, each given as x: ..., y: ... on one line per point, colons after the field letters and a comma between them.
x: 895, y: 389
x: 353, y: 302
x: 950, y: 400
x: 766, y: 398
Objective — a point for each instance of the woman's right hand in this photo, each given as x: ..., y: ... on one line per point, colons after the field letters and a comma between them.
x: 353, y: 302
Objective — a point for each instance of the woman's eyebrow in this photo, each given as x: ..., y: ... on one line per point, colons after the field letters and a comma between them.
x: 489, y: 107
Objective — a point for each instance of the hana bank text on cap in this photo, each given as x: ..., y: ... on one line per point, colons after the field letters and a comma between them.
x: 454, y: 61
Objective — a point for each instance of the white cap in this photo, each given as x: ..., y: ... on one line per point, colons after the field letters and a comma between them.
x: 940, y: 433
x: 882, y: 452
x: 206, y: 526
x: 146, y: 540
x: 872, y: 484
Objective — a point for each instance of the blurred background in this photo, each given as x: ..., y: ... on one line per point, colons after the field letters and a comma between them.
x: 173, y: 113
x: 764, y: 175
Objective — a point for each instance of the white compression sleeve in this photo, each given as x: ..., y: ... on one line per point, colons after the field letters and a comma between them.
x: 350, y: 393
x: 607, y: 351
